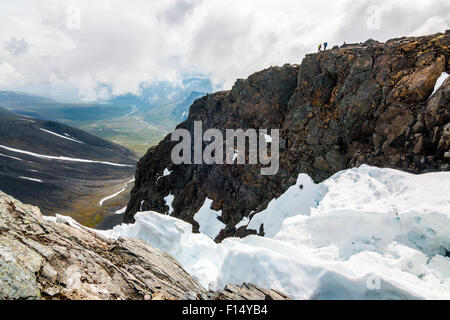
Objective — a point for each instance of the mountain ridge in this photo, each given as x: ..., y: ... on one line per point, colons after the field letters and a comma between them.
x: 369, y: 103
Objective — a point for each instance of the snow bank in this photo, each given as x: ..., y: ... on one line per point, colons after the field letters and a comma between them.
x: 166, y: 173
x: 200, y: 255
x: 6, y: 156
x: 208, y: 220
x: 60, y: 158
x: 121, y: 211
x: 440, y: 81
x: 61, y: 136
x: 168, y: 201
x: 116, y: 194
x: 298, y: 199
x: 31, y: 179
x: 111, y: 196
x: 365, y: 233
x: 27, y: 120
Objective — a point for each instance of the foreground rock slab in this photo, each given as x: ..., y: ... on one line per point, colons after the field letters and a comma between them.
x: 41, y: 259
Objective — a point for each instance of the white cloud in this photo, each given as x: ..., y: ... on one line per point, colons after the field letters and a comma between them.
x: 433, y: 24
x: 9, y: 76
x: 126, y: 43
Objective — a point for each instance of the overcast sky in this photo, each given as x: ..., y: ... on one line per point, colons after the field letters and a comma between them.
x: 47, y: 48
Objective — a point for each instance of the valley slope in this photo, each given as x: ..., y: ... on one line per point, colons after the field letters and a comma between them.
x: 62, y: 169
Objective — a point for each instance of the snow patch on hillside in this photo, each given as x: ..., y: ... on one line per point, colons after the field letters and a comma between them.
x: 27, y: 120
x: 61, y: 136
x: 121, y: 211
x: 117, y: 193
x: 31, y: 179
x: 61, y: 158
x: 297, y: 200
x: 208, y: 220
x: 168, y: 201
x: 111, y: 196
x: 440, y: 81
x: 6, y: 156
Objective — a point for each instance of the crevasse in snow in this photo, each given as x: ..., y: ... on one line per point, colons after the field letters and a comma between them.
x: 365, y: 233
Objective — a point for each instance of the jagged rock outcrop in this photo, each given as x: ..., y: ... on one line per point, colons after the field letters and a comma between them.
x: 368, y: 103
x: 41, y: 259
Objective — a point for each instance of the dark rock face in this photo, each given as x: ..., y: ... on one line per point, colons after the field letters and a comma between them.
x: 365, y: 103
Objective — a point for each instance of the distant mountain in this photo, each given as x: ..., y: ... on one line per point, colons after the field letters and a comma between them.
x: 62, y: 169
x: 20, y: 99
x: 136, y: 122
x: 164, y: 96
x: 181, y: 111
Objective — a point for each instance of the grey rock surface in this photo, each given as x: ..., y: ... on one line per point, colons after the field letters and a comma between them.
x: 41, y: 259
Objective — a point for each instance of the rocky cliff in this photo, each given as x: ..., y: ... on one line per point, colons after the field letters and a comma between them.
x: 368, y: 103
x: 41, y: 259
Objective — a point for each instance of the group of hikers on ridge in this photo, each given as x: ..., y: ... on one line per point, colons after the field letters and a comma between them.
x: 325, y: 45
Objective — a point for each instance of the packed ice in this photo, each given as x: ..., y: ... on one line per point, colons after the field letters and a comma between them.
x: 364, y: 233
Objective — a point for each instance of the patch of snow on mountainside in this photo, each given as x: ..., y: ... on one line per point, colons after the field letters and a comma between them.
x: 166, y: 172
x: 208, y: 220
x: 268, y: 138
x: 121, y: 211
x: 61, y: 158
x: 31, y: 179
x: 244, y: 222
x: 440, y: 81
x: 116, y: 194
x: 297, y: 200
x: 365, y: 233
x: 27, y: 120
x: 14, y: 158
x: 168, y: 201
x: 61, y: 136
x: 112, y: 196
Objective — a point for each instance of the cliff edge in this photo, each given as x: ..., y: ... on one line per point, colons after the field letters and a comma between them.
x: 369, y: 103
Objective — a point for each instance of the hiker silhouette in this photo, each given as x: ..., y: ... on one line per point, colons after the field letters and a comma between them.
x: 325, y: 45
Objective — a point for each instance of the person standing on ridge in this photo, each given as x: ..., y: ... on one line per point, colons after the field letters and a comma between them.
x: 325, y: 45
x: 320, y: 47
